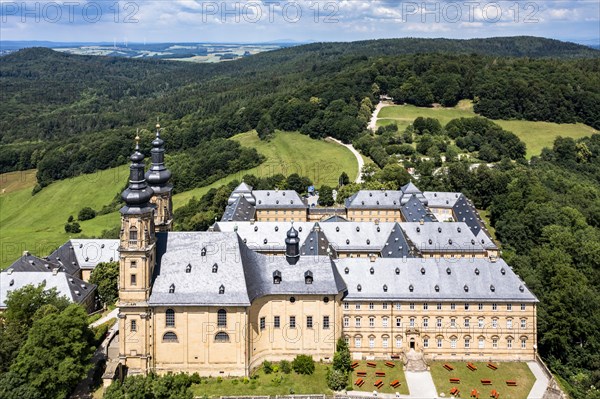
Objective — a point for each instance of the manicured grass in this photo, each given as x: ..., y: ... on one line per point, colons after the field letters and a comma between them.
x: 472, y: 379
x: 15, y: 181
x: 266, y: 384
x: 36, y: 223
x: 391, y: 374
x: 536, y: 135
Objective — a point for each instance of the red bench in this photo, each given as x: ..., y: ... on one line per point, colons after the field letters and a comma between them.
x: 378, y: 383
x: 448, y: 367
x: 492, y: 366
x: 486, y: 382
x: 471, y: 366
x: 475, y: 394
x: 395, y: 384
x: 495, y: 394
x: 511, y: 383
x: 359, y: 382
x: 361, y: 373
x: 454, y: 391
x: 354, y: 365
x: 380, y: 374
x: 390, y: 364
x: 371, y: 364
x: 455, y: 380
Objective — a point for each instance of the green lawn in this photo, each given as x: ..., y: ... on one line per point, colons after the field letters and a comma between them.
x: 36, y: 223
x: 472, y: 379
x: 536, y: 135
x: 391, y: 374
x: 266, y: 384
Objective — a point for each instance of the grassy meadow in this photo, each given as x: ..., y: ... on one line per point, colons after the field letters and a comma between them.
x: 536, y: 135
x: 36, y: 223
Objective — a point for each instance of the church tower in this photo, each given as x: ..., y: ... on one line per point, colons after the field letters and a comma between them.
x: 158, y: 177
x: 136, y: 265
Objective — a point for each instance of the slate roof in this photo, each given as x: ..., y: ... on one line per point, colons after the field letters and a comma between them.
x: 242, y: 190
x: 442, y: 237
x: 30, y: 263
x: 441, y: 199
x: 396, y: 245
x: 316, y: 243
x: 255, y: 234
x: 79, y: 254
x: 73, y: 288
x: 199, y: 286
x: 239, y: 210
x: 335, y: 218
x: 270, y: 199
x: 414, y: 211
x: 467, y: 280
x: 374, y: 199
x: 465, y: 211
x: 259, y: 271
x: 409, y: 190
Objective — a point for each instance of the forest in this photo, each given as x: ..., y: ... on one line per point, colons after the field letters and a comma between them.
x: 85, y: 122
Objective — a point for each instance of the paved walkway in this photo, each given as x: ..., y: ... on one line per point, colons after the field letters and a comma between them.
x: 373, y: 122
x: 359, y: 158
x: 112, y: 315
x: 541, y: 381
x: 420, y: 385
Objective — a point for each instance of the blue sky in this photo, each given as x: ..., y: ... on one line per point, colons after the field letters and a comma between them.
x: 313, y: 20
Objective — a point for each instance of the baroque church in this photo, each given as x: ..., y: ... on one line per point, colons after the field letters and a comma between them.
x: 250, y: 289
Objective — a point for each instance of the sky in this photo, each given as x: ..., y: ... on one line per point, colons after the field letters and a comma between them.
x: 256, y: 21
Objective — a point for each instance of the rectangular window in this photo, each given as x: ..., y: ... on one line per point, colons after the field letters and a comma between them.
x: 346, y: 322
x: 438, y: 323
x: 276, y: 321
x: 357, y: 342
x: 466, y: 306
x: 480, y: 306
x: 439, y: 306
x: 347, y: 340
x: 481, y: 343
x: 494, y: 343
x: 481, y: 323
x: 357, y: 306
x: 425, y: 342
x: 346, y: 306
x: 398, y: 342
x: 398, y: 322
x: 522, y: 306
x: 425, y: 306
x: 523, y: 343
x: 453, y: 343
x: 509, y: 307
x: 523, y: 324
x: 371, y: 342
x: 357, y: 322
x: 384, y: 342
x: 371, y: 322
x: 494, y: 307
x: 292, y: 321
x: 133, y: 325
x: 425, y: 323
x: 467, y: 343
x: 134, y: 279
x: 452, y: 306
x: 385, y: 322
x: 133, y: 264
x: 309, y: 322
x: 509, y: 343
x: 371, y: 306
x: 412, y: 322
x: 411, y: 306
x: 467, y: 323
x: 509, y: 324
x: 325, y: 322
x: 494, y: 323
x: 439, y: 342
x: 384, y: 306
x: 398, y: 306
x: 452, y: 322
x: 263, y: 323
x: 222, y: 318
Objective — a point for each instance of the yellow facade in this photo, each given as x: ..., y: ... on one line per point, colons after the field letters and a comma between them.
x: 281, y: 215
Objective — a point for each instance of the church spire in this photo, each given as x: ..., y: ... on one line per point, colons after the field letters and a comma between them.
x: 137, y: 194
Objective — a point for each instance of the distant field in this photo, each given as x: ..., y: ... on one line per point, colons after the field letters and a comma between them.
x: 536, y: 135
x: 36, y: 223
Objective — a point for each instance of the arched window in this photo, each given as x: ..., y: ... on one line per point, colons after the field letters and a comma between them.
x: 133, y: 235
x: 170, y: 318
x: 170, y: 337
x: 222, y: 318
x: 222, y: 337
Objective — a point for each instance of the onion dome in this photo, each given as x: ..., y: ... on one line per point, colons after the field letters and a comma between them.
x: 137, y: 194
x: 292, y: 246
x: 158, y: 175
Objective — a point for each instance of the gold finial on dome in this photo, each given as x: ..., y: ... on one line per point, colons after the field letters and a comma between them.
x: 137, y: 136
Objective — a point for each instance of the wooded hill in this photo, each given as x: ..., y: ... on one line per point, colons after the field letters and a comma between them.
x: 67, y: 114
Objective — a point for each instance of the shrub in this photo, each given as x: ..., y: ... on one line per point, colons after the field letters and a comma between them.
x: 72, y: 228
x: 267, y: 367
x: 303, y: 364
x: 336, y: 379
x: 86, y: 213
x: 285, y: 366
x: 219, y: 380
x: 277, y: 380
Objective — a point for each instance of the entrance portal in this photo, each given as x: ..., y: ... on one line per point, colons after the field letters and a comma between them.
x: 412, y: 343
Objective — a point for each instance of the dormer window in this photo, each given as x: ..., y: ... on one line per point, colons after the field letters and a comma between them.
x: 378, y: 229
x: 276, y: 228
x: 357, y: 228
x: 422, y: 270
x: 411, y: 288
x: 308, y: 277
x: 430, y: 241
x: 477, y: 271
x: 203, y: 251
x: 172, y: 289
x: 418, y: 229
x: 448, y: 270
x: 276, y: 277
x: 337, y: 228
x: 439, y: 229
x: 346, y: 270
x: 215, y: 268
x: 368, y: 242
x: 385, y: 288
x: 397, y: 270
x: 466, y: 288
x: 521, y: 288
x: 437, y: 288
x: 503, y: 271
x: 492, y: 288
x: 265, y: 241
x: 450, y: 241
x: 221, y: 289
x: 372, y: 270
x: 188, y: 268
x: 359, y: 288
x: 458, y: 229
x: 347, y: 241
x: 255, y: 228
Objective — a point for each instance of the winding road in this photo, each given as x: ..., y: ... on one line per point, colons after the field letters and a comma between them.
x: 372, y: 126
x: 359, y: 158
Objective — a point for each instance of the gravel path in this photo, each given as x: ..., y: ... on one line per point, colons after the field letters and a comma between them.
x: 359, y: 157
